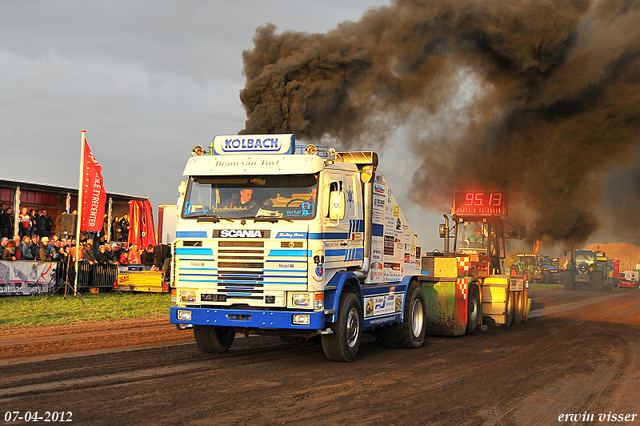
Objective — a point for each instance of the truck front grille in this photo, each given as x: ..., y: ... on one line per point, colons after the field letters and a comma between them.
x: 243, y: 270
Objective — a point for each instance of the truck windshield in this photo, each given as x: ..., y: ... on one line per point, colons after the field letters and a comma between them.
x: 234, y: 197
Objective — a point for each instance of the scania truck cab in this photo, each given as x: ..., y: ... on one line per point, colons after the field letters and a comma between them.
x: 274, y: 238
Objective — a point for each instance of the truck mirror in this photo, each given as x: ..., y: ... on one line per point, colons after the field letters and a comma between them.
x: 182, y: 189
x: 523, y: 232
x: 443, y: 230
x: 337, y: 205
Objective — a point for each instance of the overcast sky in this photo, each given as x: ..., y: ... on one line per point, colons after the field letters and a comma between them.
x: 147, y: 80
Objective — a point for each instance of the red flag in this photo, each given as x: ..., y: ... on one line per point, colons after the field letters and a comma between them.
x: 147, y: 230
x: 134, y: 223
x: 94, y: 196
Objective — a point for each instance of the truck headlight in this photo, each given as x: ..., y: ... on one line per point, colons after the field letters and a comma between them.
x: 187, y: 296
x: 302, y: 300
x: 300, y: 319
x: 183, y: 315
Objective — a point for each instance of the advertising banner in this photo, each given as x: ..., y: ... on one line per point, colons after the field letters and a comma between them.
x: 18, y: 278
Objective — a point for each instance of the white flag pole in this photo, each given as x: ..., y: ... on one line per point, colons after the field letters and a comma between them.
x: 80, y: 185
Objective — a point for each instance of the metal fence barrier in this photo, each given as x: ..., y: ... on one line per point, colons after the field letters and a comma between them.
x: 102, y: 276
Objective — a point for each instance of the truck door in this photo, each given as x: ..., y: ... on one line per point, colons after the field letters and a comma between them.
x: 344, y: 236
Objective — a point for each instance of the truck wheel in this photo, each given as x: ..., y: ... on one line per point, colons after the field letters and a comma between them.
x: 508, y: 308
x: 473, y: 309
x: 213, y: 339
x: 597, y: 279
x: 411, y: 332
x: 343, y: 343
x: 519, y: 307
x: 568, y: 280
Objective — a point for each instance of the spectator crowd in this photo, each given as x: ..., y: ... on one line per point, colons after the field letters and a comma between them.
x: 36, y: 241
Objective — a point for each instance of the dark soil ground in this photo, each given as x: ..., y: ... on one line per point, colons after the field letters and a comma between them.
x: 576, y: 356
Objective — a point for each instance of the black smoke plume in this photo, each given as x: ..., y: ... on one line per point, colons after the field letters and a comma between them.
x: 554, y: 98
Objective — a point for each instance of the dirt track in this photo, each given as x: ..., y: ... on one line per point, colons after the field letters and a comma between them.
x: 577, y: 354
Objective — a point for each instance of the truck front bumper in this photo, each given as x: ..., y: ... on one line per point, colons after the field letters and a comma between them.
x: 247, y: 318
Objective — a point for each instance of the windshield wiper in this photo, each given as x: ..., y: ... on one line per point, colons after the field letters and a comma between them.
x: 270, y: 219
x: 213, y: 218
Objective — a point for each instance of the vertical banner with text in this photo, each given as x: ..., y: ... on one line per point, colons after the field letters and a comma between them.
x: 94, y: 196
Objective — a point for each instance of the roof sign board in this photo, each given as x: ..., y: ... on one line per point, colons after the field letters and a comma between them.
x: 254, y: 144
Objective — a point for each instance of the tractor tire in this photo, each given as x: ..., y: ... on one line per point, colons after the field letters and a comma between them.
x: 568, y: 280
x: 411, y: 332
x: 213, y: 339
x: 473, y: 309
x: 519, y: 306
x: 342, y: 345
x: 597, y: 280
x: 508, y: 308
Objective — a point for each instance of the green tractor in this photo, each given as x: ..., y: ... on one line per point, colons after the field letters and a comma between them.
x: 527, y: 265
x: 587, y: 270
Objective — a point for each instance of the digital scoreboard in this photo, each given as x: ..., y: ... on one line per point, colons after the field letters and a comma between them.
x: 479, y: 203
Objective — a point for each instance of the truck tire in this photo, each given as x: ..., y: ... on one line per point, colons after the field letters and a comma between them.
x: 473, y: 309
x: 343, y: 343
x: 213, y: 339
x: 568, y: 280
x: 597, y: 280
x: 411, y: 332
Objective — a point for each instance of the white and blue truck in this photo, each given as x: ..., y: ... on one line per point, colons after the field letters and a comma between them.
x: 274, y: 238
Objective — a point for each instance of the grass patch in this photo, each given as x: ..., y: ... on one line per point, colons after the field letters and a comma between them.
x: 40, y: 310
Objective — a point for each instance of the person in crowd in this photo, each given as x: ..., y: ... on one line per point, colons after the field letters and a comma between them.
x: 32, y: 215
x: 61, y: 245
x: 16, y: 241
x: 105, y: 227
x: 25, y: 248
x: 9, y: 252
x: 3, y: 243
x: 162, y: 259
x: 116, y: 234
x: 124, y: 227
x: 87, y: 252
x: 35, y: 246
x: 3, y: 208
x: 24, y: 228
x: 101, y: 256
x: 44, y: 223
x: 53, y: 250
x: 148, y: 256
x: 44, y: 255
x: 76, y: 251
x: 111, y: 254
x: 134, y: 255
x: 6, y: 223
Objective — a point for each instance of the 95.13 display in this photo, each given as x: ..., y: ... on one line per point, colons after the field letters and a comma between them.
x: 479, y: 203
